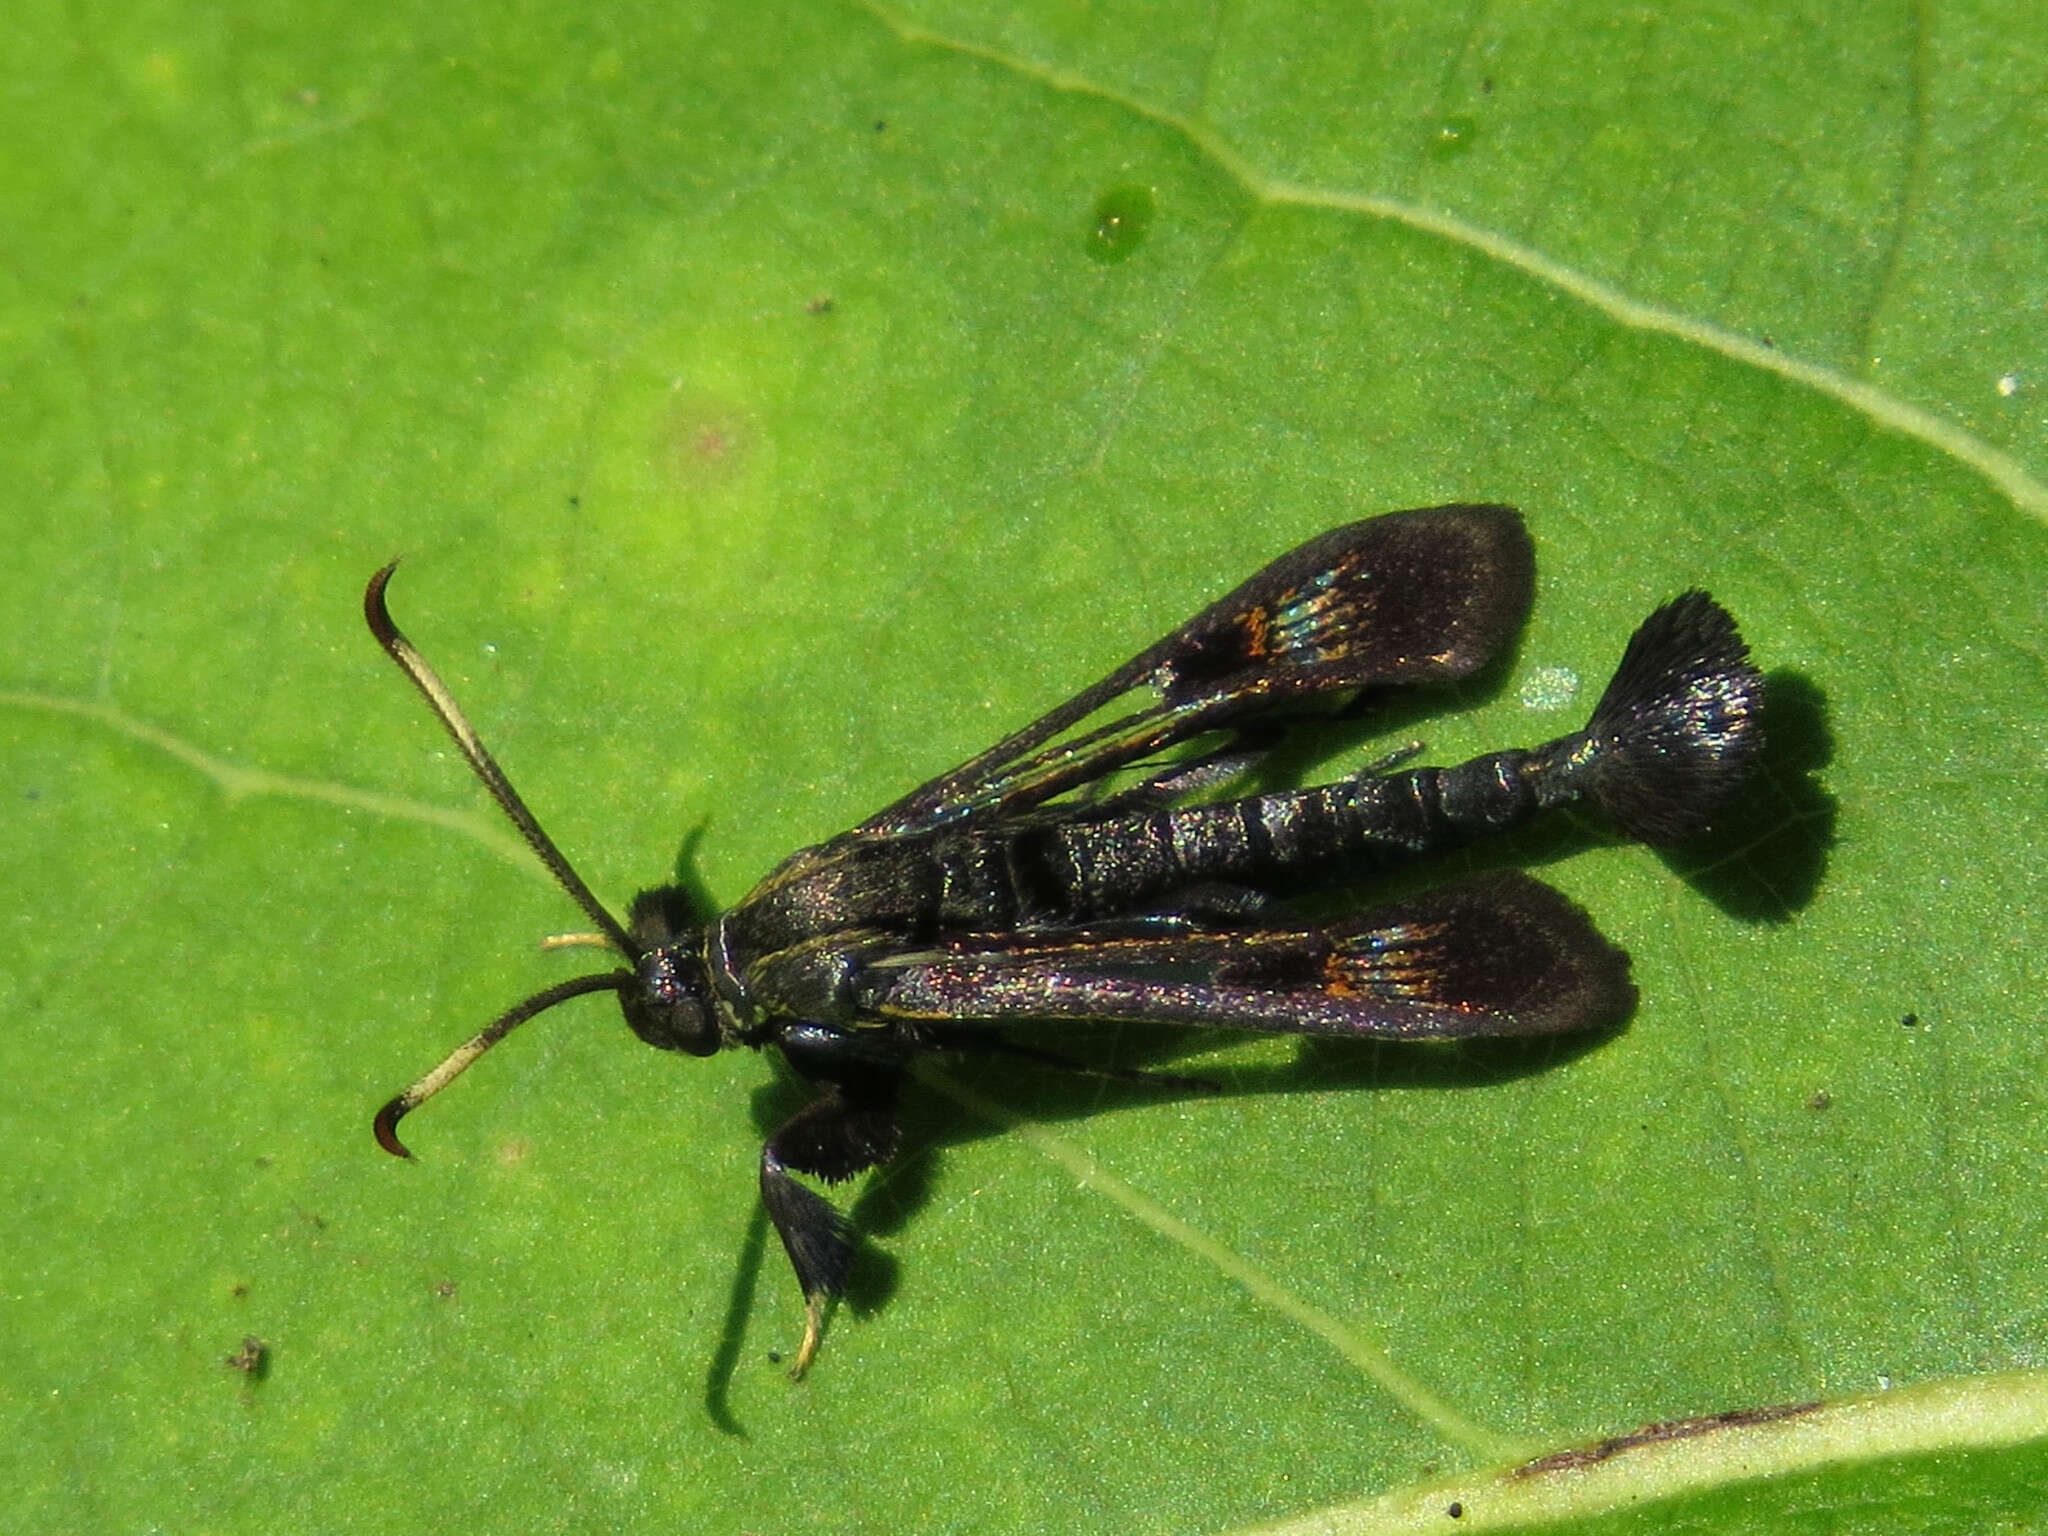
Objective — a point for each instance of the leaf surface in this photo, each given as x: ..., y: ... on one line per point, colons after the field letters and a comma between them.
x: 773, y: 405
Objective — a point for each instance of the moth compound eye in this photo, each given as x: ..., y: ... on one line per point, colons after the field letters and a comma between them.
x: 669, y: 1004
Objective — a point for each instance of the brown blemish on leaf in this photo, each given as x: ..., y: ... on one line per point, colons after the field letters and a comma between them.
x: 252, y: 1359
x: 706, y: 442
x: 1656, y: 1434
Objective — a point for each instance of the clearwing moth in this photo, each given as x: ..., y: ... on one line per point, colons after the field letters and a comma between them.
x: 1084, y: 868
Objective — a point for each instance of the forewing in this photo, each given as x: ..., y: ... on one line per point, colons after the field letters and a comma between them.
x: 1409, y: 597
x: 1502, y: 955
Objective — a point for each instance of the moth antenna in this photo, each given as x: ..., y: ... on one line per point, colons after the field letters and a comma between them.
x: 1679, y: 728
x: 459, y: 1059
x: 484, y: 766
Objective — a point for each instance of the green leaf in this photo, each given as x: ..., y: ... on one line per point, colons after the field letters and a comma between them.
x: 775, y: 403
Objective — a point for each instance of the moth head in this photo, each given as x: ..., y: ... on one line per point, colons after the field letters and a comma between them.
x: 669, y: 1003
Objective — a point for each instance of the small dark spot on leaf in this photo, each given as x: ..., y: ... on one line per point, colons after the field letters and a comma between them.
x: 252, y: 1359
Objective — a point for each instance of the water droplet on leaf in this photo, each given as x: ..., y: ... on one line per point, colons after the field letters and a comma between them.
x: 1123, y: 218
x: 1453, y: 136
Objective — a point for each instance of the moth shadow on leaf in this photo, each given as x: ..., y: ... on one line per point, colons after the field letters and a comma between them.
x: 1764, y: 857
x: 935, y: 1124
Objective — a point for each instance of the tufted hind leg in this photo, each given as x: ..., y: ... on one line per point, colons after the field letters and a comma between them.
x: 834, y: 1137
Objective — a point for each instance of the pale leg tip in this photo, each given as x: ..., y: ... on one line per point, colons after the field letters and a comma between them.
x: 814, y: 1335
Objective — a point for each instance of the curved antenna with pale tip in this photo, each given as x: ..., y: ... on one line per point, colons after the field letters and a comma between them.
x: 481, y: 763
x: 485, y: 767
x: 386, y: 1124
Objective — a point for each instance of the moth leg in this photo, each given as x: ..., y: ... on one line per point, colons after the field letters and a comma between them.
x: 846, y: 1129
x: 814, y: 1235
x: 1178, y: 780
x: 1388, y: 761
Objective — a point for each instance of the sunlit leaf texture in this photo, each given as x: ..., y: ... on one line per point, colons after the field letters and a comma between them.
x: 774, y: 403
